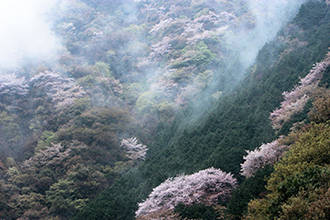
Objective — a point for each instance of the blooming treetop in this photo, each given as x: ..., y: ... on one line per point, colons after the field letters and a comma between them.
x: 62, y: 90
x: 266, y: 154
x: 206, y: 186
x: 295, y: 100
x: 53, y: 155
x: 134, y: 150
x: 11, y: 85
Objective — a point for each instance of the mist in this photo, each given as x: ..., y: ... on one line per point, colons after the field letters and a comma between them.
x: 270, y: 17
x: 26, y: 32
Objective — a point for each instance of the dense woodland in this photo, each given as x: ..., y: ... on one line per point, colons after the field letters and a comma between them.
x: 158, y: 110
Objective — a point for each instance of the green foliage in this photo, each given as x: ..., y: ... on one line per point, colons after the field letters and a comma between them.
x: 10, y: 134
x: 238, y: 122
x: 61, y: 197
x: 10, y: 131
x: 166, y: 111
x: 204, y: 78
x: 198, y: 211
x: 68, y: 196
x: 33, y: 202
x: 320, y: 209
x: 301, y: 173
x: 102, y: 69
x: 311, y: 14
x: 107, y: 50
x: 320, y: 113
x: 45, y: 140
x: 249, y: 189
x: 199, y: 55
x: 96, y: 126
x: 68, y: 114
x: 312, y: 148
x: 114, y: 202
x: 146, y: 103
x: 132, y: 92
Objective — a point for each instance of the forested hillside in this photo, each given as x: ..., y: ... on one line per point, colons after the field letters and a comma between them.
x: 202, y: 109
x: 239, y: 122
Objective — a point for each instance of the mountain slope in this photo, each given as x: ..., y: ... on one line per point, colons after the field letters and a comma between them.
x: 239, y: 122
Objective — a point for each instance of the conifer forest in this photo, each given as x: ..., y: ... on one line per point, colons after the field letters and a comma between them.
x: 164, y: 109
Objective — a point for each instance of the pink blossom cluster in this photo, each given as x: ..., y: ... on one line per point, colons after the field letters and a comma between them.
x: 265, y: 154
x: 206, y: 186
x: 295, y: 100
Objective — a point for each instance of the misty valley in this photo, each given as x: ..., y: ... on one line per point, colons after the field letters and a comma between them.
x: 163, y: 109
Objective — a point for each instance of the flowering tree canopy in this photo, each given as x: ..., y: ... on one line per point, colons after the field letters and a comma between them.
x: 53, y: 155
x: 295, y: 101
x: 206, y: 186
x: 161, y: 48
x: 266, y: 154
x: 134, y: 150
x: 11, y: 85
x: 62, y: 90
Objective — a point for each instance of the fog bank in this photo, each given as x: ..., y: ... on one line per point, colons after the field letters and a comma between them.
x: 25, y: 31
x: 270, y: 17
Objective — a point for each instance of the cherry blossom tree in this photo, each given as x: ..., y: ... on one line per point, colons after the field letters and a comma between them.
x: 66, y: 97
x: 207, y: 186
x: 200, y: 36
x: 161, y: 48
x: 193, y: 28
x: 62, y: 90
x: 53, y: 155
x: 51, y: 81
x: 295, y: 100
x: 11, y: 85
x: 258, y: 158
x: 162, y: 24
x: 134, y: 150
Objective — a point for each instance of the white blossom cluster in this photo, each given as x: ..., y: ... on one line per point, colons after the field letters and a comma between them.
x: 200, y: 36
x: 206, y: 186
x: 117, y: 86
x: 160, y: 49
x: 160, y: 25
x: 51, y: 81
x: 50, y: 156
x: 150, y: 8
x: 63, y: 91
x: 11, y: 85
x: 194, y: 30
x: 265, y: 154
x: 295, y: 100
x: 134, y: 150
x: 223, y: 17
